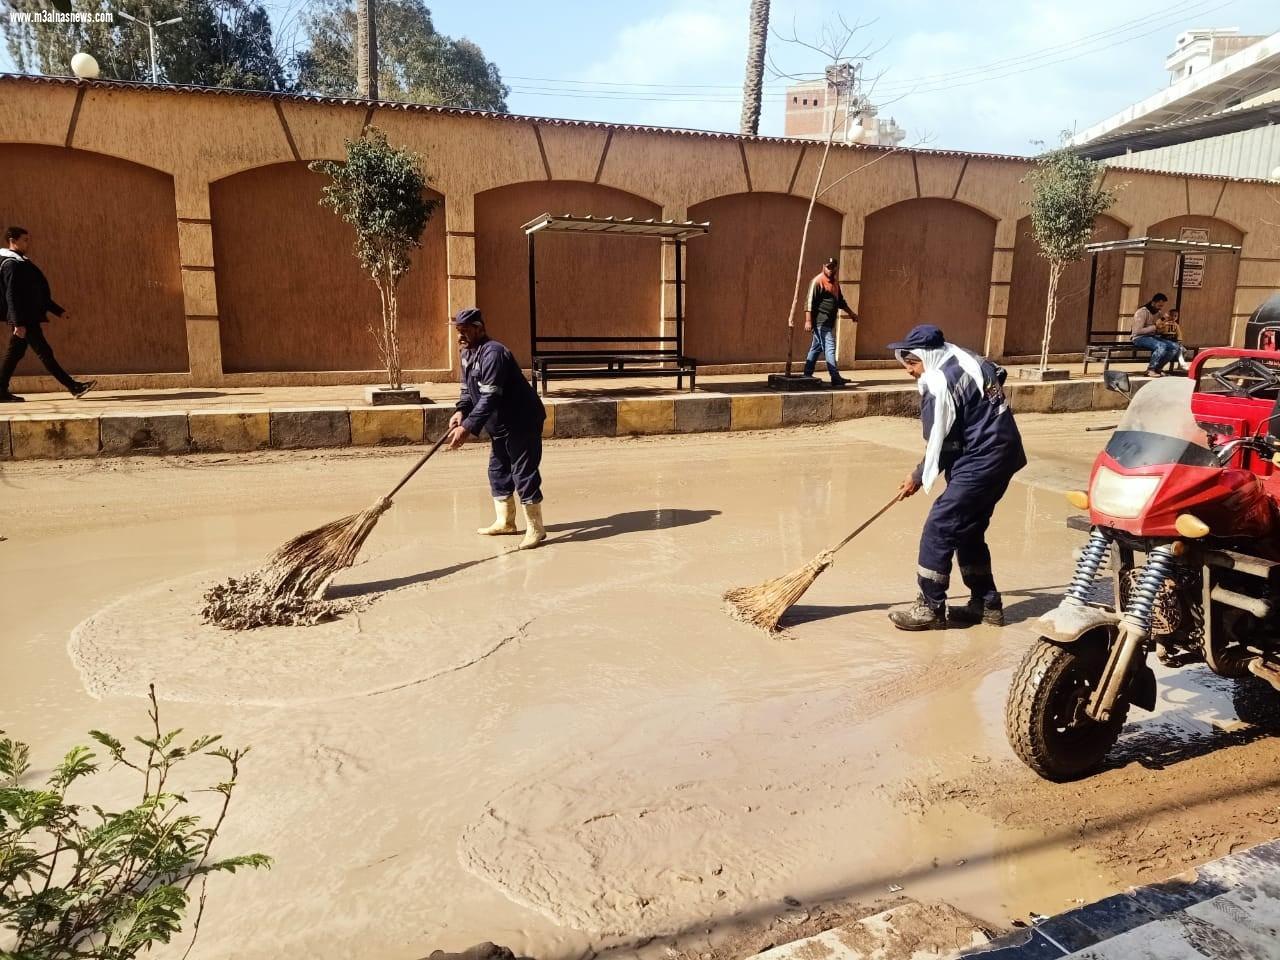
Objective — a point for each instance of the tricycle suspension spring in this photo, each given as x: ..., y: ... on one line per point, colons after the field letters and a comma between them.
x: 1142, y: 599
x: 1091, y: 559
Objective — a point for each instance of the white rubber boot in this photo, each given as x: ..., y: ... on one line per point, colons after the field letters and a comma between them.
x: 534, y: 532
x: 505, y: 519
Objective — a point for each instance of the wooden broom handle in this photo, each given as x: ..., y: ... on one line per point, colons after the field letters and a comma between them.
x: 879, y: 513
x: 417, y: 466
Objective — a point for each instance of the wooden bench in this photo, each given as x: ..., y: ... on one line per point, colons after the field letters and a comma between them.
x: 571, y: 357
x: 591, y: 357
x: 1109, y: 345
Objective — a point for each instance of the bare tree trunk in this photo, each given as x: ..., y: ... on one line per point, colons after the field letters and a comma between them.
x: 804, y: 240
x: 393, y: 338
x: 1050, y: 311
x: 366, y: 50
x: 380, y: 332
x: 753, y: 84
x: 388, y: 337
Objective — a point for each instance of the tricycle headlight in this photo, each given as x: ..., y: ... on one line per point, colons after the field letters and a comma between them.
x: 1119, y: 496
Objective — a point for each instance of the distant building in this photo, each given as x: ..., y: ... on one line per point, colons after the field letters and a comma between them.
x: 809, y: 116
x: 1194, y: 50
x: 1218, y: 115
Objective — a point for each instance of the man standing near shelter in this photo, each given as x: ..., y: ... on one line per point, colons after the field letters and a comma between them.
x: 496, y: 396
x: 971, y: 438
x: 27, y: 302
x: 1147, y: 335
x: 821, y: 306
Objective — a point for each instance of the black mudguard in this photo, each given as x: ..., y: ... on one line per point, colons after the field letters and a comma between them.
x: 1141, y: 691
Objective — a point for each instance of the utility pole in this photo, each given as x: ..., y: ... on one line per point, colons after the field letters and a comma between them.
x: 151, y: 36
x: 844, y: 90
x: 366, y: 50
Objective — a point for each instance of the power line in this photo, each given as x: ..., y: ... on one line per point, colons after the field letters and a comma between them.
x: 933, y: 88
x: 1183, y: 9
x: 905, y: 87
x: 1165, y: 17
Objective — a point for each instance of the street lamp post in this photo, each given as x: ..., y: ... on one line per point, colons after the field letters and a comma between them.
x: 151, y: 36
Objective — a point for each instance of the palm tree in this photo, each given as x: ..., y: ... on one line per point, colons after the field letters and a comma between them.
x: 754, y: 81
x: 366, y: 50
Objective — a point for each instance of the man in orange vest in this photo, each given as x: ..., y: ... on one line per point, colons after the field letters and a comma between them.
x: 821, y: 306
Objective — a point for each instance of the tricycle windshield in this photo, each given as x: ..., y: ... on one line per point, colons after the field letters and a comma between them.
x: 1158, y: 428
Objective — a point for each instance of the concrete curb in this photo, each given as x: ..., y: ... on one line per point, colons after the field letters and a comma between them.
x: 1227, y: 909
x: 228, y: 430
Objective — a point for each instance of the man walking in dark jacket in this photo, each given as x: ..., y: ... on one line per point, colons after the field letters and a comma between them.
x: 26, y: 303
x: 496, y: 396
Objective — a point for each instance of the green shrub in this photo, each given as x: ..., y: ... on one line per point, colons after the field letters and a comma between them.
x: 77, y: 881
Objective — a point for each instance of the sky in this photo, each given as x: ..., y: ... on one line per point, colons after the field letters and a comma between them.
x: 997, y: 76
x: 1003, y: 76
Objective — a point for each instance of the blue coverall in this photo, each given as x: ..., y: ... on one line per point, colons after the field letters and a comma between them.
x: 981, y: 453
x: 496, y: 396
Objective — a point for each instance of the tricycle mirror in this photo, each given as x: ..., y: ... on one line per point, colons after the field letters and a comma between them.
x: 1118, y: 381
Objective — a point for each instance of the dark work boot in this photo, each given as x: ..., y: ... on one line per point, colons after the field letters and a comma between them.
x: 975, y: 611
x: 920, y: 616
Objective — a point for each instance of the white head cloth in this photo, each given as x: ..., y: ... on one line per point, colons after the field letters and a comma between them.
x: 934, y: 383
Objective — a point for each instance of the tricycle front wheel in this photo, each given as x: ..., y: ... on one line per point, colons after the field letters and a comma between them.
x: 1045, y: 717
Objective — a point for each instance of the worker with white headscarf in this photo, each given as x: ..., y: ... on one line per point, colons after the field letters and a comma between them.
x: 972, y: 440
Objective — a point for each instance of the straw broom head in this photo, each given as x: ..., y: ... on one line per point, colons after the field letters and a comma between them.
x: 303, y: 567
x: 764, y: 604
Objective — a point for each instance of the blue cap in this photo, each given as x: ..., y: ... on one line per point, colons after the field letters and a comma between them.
x: 923, y: 337
x: 468, y: 316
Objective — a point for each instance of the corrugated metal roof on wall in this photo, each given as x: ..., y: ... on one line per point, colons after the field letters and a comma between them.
x: 1245, y: 154
x: 487, y: 114
x: 1120, y: 162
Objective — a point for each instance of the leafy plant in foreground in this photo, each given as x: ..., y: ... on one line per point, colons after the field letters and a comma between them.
x: 77, y: 881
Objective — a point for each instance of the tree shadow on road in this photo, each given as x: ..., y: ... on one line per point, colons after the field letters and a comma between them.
x: 870, y: 886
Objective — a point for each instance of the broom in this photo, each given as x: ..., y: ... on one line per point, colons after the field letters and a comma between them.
x: 764, y: 604
x: 303, y: 567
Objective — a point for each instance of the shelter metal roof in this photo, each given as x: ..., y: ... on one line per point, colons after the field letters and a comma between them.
x: 1240, y: 76
x: 1161, y: 243
x: 615, y: 226
x: 1218, y: 124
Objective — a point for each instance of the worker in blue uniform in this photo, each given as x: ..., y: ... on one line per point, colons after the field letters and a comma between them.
x: 971, y: 439
x: 496, y: 397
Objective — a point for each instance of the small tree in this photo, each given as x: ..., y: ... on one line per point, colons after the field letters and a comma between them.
x: 380, y: 191
x: 1067, y: 197
x: 77, y: 881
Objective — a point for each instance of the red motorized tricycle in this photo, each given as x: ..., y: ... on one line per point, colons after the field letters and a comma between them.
x: 1183, y: 514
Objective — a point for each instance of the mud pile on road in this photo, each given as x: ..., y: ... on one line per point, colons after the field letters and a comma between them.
x: 244, y: 603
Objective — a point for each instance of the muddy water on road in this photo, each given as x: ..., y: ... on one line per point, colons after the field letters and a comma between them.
x: 560, y: 749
